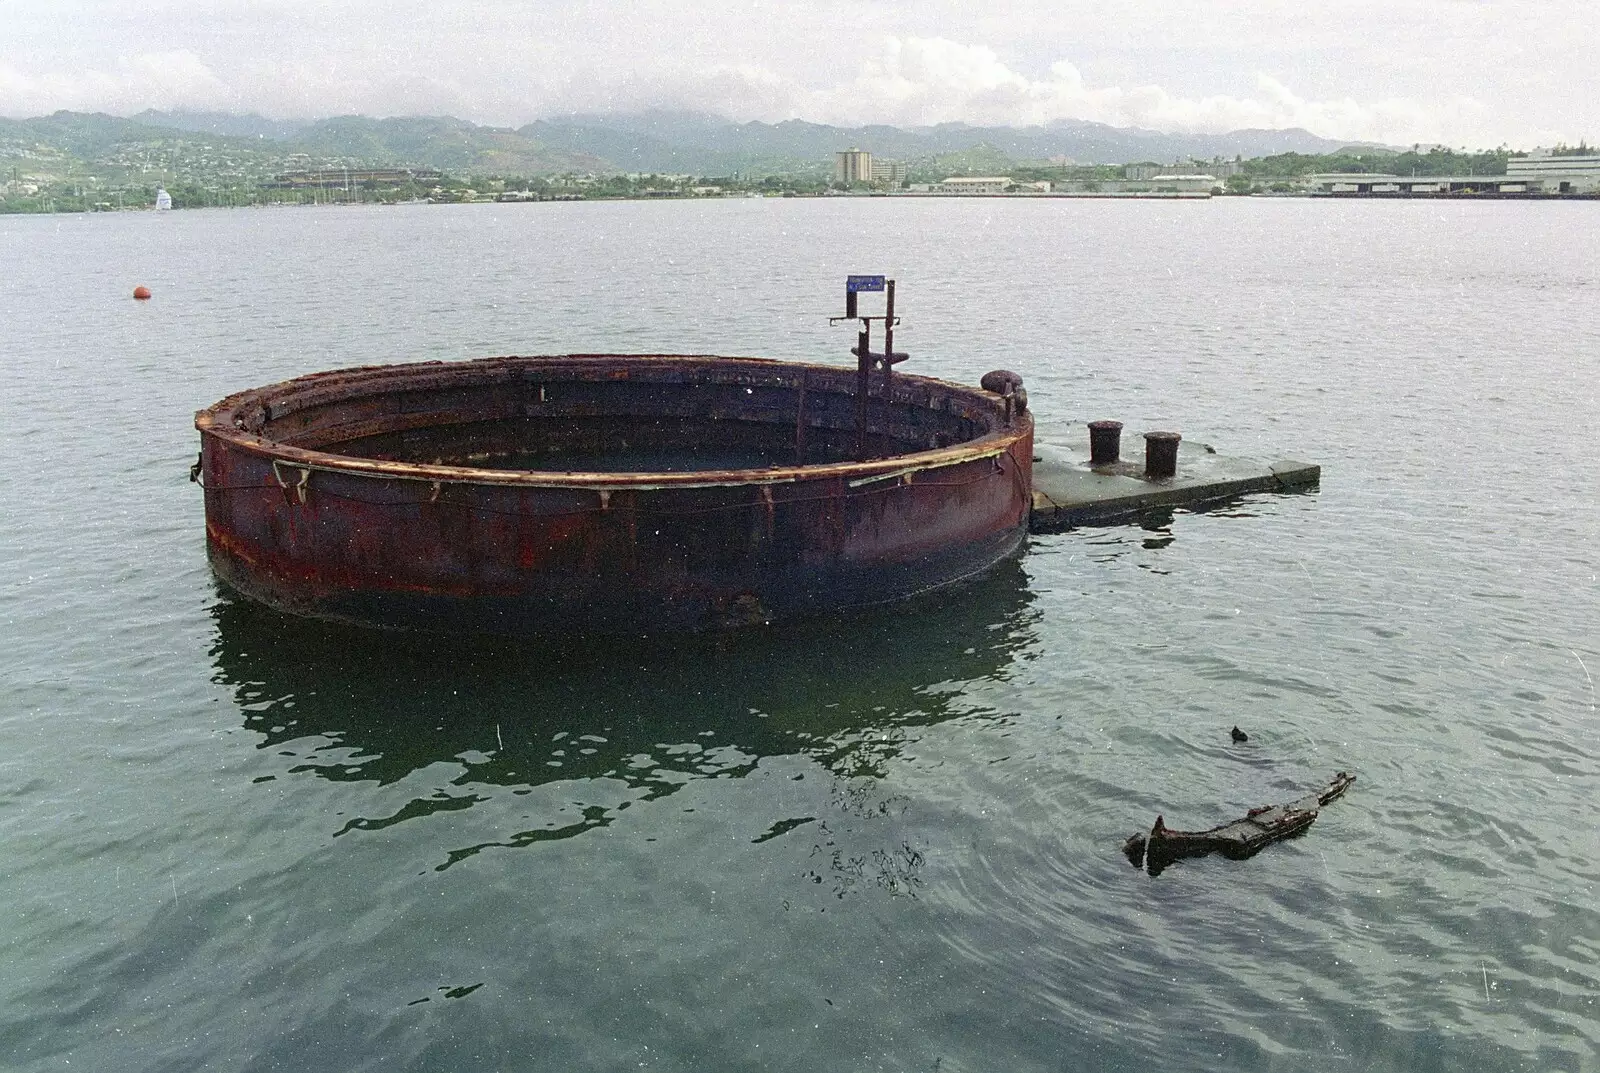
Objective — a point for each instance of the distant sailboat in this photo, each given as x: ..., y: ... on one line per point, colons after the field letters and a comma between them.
x: 163, y: 199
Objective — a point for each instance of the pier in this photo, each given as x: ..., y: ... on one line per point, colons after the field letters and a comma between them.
x: 1070, y: 487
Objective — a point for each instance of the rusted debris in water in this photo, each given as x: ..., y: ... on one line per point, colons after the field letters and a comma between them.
x: 1242, y: 838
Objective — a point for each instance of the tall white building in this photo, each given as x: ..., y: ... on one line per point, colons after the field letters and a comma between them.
x: 852, y: 166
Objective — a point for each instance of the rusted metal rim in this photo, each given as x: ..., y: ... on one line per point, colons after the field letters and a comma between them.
x: 232, y: 419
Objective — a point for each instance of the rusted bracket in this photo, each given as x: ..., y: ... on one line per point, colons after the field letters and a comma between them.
x: 877, y: 359
x: 300, y: 490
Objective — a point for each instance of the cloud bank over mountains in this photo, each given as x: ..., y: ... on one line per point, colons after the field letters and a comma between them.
x: 925, y: 81
x: 1462, y: 72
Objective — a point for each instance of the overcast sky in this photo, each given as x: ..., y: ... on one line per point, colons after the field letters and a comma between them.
x: 1461, y: 72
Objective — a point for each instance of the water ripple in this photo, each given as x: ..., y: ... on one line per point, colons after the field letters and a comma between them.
x: 241, y: 842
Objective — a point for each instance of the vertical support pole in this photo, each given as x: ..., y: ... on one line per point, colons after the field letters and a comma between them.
x: 888, y: 347
x: 863, y: 381
x: 800, y: 422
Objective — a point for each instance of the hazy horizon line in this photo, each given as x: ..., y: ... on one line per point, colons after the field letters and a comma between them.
x: 668, y: 110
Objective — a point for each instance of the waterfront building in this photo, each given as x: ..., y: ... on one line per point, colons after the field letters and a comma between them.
x: 1573, y: 180
x: 888, y: 171
x: 331, y: 178
x: 852, y: 166
x: 1188, y: 183
x: 974, y: 184
x: 1551, y: 174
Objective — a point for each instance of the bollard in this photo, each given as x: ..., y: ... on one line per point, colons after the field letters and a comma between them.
x: 1000, y: 381
x: 1161, y: 454
x: 1105, y: 442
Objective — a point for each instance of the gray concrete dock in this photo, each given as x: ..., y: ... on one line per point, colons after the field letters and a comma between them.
x: 1068, y: 491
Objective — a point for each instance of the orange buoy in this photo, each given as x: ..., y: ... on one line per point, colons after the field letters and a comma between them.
x: 141, y: 292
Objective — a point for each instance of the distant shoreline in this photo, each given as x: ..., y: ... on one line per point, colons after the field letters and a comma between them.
x: 1033, y: 195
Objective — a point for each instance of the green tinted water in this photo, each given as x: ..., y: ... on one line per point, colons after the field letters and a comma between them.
x: 237, y: 841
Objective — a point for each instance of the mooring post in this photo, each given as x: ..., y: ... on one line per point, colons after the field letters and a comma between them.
x: 1105, y: 442
x: 1161, y: 454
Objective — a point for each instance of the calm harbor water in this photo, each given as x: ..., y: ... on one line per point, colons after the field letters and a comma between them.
x: 233, y: 841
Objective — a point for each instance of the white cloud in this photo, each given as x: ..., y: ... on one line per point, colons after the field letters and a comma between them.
x: 302, y: 90
x: 1473, y: 72
x: 173, y: 79
x: 924, y: 81
x: 739, y: 90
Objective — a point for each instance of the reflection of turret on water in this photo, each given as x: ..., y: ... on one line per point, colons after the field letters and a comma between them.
x: 653, y: 713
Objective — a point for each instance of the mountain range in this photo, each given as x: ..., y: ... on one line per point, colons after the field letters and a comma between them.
x: 655, y: 141
x: 671, y: 141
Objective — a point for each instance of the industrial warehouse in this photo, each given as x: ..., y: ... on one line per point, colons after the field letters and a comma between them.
x: 1541, y: 173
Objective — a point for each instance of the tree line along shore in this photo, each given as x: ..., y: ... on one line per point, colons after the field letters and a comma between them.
x: 196, y: 175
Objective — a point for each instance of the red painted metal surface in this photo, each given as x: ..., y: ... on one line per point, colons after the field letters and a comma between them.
x: 439, y: 495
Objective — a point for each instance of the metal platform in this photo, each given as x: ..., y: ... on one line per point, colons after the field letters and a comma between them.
x: 1068, y: 491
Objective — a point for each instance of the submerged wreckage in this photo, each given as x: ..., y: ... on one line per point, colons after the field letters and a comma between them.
x: 603, y: 493
x: 611, y: 493
x: 606, y: 493
x: 1245, y: 837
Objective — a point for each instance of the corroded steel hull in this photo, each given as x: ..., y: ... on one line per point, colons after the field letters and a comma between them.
x: 430, y: 496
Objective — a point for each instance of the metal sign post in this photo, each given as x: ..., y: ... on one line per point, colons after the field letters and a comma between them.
x: 865, y: 357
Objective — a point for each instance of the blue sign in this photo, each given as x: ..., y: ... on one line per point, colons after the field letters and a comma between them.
x: 854, y: 284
